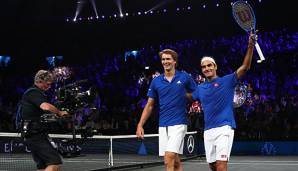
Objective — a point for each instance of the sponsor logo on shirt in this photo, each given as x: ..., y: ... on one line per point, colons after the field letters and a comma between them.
x: 179, y: 82
x: 215, y: 84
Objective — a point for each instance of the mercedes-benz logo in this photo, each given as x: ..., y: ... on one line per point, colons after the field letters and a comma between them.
x: 190, y: 144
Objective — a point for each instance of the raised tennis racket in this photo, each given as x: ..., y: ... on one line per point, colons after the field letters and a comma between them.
x: 245, y: 17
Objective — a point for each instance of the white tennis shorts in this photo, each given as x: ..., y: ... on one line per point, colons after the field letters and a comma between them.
x: 171, y: 139
x: 218, y: 143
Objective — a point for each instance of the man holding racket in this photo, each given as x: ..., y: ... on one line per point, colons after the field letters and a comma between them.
x: 216, y: 96
x: 169, y: 90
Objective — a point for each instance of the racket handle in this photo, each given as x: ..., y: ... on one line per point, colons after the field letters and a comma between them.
x: 262, y: 58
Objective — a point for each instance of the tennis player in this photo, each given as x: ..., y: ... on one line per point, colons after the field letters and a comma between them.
x: 169, y: 90
x: 216, y: 96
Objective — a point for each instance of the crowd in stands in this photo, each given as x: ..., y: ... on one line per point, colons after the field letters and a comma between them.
x: 121, y: 82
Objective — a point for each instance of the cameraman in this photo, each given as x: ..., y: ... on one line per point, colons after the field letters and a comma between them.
x: 34, y: 103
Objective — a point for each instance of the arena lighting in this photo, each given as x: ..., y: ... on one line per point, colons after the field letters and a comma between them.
x: 94, y: 7
x: 80, y: 4
x: 133, y: 53
x: 139, y: 13
x: 4, y: 61
x: 53, y: 61
x: 120, y: 14
x: 118, y: 2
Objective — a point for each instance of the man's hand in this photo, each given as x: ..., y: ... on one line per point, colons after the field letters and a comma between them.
x: 63, y: 113
x: 140, y: 132
x: 248, y: 56
x: 253, y: 37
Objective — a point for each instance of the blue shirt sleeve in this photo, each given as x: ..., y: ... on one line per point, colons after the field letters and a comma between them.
x: 152, y: 91
x: 191, y: 84
x: 231, y: 79
x: 195, y: 94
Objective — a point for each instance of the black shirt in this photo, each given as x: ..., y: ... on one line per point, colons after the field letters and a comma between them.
x: 31, y: 101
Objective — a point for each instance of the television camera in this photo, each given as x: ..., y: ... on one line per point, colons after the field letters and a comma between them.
x: 74, y: 98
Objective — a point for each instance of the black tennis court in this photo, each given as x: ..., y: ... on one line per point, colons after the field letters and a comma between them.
x: 24, y: 162
x: 242, y: 163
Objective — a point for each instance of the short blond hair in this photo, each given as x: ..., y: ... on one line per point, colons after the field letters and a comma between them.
x: 43, y: 75
x: 170, y: 52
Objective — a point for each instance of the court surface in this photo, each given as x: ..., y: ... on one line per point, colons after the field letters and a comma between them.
x: 242, y: 163
x: 24, y: 162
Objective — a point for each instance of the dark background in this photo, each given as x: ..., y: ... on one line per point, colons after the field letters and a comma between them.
x: 30, y: 30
